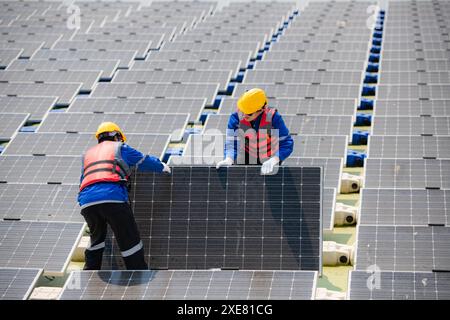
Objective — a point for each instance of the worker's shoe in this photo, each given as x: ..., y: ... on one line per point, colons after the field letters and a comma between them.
x: 93, y: 259
x: 136, y: 261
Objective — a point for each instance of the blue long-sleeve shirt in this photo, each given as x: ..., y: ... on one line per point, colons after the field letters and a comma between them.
x: 104, y: 192
x: 286, y: 143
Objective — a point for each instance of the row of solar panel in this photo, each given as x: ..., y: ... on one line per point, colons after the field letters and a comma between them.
x: 88, y: 81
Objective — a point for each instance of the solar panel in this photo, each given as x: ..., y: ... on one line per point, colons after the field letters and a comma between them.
x: 230, y: 28
x: 303, y: 91
x: 303, y: 77
x: 399, y: 286
x: 60, y: 22
x: 37, y: 107
x: 212, y: 46
x: 171, y: 76
x: 298, y: 124
x: 11, y: 123
x: 155, y: 39
x: 319, y: 29
x: 227, y: 23
x: 422, y: 91
x: 201, y: 65
x: 169, y: 32
x: 414, y: 77
x: 277, y: 227
x: 414, y: 65
x: 33, y: 244
x: 434, y: 108
x: 40, y: 169
x: 420, y: 29
x: 125, y: 57
x: 411, y: 125
x: 307, y: 65
x: 297, y: 106
x: 157, y: 90
x: 404, y: 207
x: 209, y: 37
x: 191, y: 285
x: 403, y: 173
x: 17, y: 283
x: 228, y: 33
x: 416, y: 55
x: 322, y: 37
x: 88, y: 79
x: 197, y: 56
x: 211, y: 144
x: 39, y: 31
x: 329, y: 22
x: 409, y: 147
x: 147, y: 105
x: 8, y: 55
x: 139, y: 46
x: 403, y: 248
x: 297, y: 56
x: 35, y: 29
x: 108, y: 67
x: 389, y: 46
x: 407, y: 38
x: 66, y: 92
x: 48, y: 39
x: 320, y: 46
x: 332, y: 167
x: 40, y: 202
x: 180, y: 24
x: 173, y: 124
x: 28, y: 47
x: 73, y: 144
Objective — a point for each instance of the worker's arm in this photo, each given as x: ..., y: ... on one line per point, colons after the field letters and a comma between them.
x: 286, y: 144
x: 143, y: 162
x: 231, y: 141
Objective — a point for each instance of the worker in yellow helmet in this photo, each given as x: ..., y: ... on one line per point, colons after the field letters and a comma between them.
x: 103, y: 195
x: 263, y: 138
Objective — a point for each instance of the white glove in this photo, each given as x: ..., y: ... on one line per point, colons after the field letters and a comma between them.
x: 269, y: 167
x: 166, y: 168
x: 225, y: 163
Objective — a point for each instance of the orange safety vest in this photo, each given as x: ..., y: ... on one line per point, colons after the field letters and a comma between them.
x: 104, y: 163
x: 262, y: 144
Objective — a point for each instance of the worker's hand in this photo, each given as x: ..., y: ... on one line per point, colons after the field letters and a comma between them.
x: 166, y: 168
x: 225, y: 163
x: 270, y: 166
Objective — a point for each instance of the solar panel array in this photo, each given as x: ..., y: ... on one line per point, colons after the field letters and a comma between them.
x: 403, y: 225
x: 75, y: 144
x: 61, y: 80
x: 178, y: 57
x: 191, y: 285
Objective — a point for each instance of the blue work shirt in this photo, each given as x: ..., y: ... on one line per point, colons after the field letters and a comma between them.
x: 286, y: 144
x: 107, y: 192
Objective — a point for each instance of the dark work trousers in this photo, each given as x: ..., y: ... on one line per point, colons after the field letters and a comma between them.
x: 121, y: 220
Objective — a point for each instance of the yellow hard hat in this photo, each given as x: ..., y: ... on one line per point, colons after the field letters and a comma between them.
x: 251, y: 101
x: 109, y: 127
